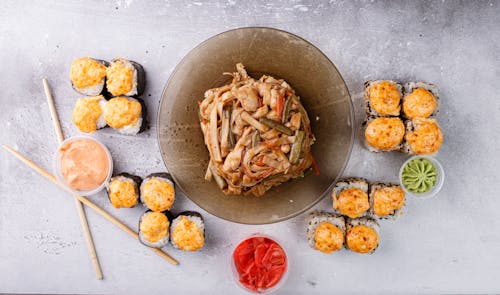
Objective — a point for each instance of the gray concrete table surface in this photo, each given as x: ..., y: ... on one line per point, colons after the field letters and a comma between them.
x: 449, y: 244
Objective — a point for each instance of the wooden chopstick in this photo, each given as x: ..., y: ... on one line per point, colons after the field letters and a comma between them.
x: 79, y: 207
x: 86, y: 201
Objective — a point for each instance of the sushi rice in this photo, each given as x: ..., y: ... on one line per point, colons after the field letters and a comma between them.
x: 347, y: 183
x: 378, y: 186
x: 366, y: 221
x: 193, y: 217
x: 315, y: 218
x: 137, y: 126
x: 370, y: 111
x: 164, y: 239
x: 83, y: 115
x: 411, y: 86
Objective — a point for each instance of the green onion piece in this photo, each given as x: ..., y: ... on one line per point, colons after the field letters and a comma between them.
x: 286, y: 110
x: 256, y: 138
x: 218, y: 179
x: 296, y: 147
x: 277, y: 126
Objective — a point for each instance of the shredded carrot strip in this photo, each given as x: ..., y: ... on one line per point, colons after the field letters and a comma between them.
x: 315, y: 166
x: 280, y: 103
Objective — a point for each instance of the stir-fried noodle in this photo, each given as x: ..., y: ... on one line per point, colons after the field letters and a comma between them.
x: 257, y: 132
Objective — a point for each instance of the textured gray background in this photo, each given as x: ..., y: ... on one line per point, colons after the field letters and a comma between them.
x: 445, y: 245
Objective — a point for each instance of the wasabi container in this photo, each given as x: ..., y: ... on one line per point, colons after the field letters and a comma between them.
x: 421, y: 176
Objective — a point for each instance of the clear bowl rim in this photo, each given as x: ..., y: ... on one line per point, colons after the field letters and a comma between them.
x: 352, y: 120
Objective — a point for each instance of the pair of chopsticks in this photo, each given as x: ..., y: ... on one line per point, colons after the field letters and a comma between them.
x: 79, y: 200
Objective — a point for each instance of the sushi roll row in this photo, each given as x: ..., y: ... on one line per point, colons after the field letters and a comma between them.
x: 355, y: 198
x: 121, y: 81
x: 157, y: 226
x: 156, y: 192
x: 120, y: 77
x: 387, y: 98
x: 125, y: 114
x: 328, y: 233
x: 400, y: 118
x: 185, y: 232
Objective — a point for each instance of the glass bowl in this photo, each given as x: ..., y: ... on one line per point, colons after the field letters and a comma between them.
x: 282, y: 55
x: 57, y: 165
x: 439, y: 180
x: 236, y: 275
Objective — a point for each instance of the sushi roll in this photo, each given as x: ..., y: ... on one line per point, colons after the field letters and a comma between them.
x: 123, y: 190
x: 88, y: 75
x: 325, y: 231
x: 386, y: 200
x: 125, y: 78
x: 154, y: 228
x: 158, y: 192
x: 423, y: 137
x: 383, y: 98
x: 350, y: 197
x: 88, y: 113
x: 188, y: 231
x: 362, y: 235
x: 384, y: 134
x: 421, y: 100
x: 126, y: 114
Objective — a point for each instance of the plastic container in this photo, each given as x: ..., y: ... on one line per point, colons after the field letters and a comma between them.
x: 439, y: 180
x: 57, y: 166
x: 236, y: 275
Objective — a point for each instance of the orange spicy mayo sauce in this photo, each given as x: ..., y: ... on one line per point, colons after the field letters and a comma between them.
x: 84, y: 164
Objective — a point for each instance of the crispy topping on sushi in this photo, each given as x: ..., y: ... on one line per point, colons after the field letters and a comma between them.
x: 362, y: 235
x: 88, y: 113
x: 386, y: 199
x: 188, y: 231
x: 154, y: 229
x: 329, y: 238
x: 421, y: 100
x: 384, y: 134
x: 126, y: 114
x: 325, y: 231
x: 124, y: 77
x: 87, y: 75
x: 123, y: 190
x: 350, y: 197
x: 383, y: 98
x: 424, y: 136
x: 352, y: 202
x: 419, y: 103
x: 158, y: 192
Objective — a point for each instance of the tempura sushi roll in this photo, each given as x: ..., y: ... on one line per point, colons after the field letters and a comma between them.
x: 88, y: 113
x: 350, y: 197
x: 154, y: 228
x: 325, y: 231
x: 126, y: 114
x: 88, y: 75
x: 125, y: 78
x: 188, y: 231
x: 383, y: 98
x: 384, y: 134
x: 423, y: 137
x: 158, y: 192
x: 123, y: 190
x: 362, y: 235
x: 421, y: 100
x: 386, y: 200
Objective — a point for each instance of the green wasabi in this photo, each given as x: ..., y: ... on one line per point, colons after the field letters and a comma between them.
x: 419, y: 175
